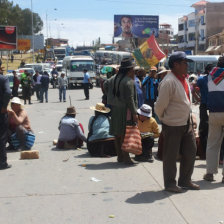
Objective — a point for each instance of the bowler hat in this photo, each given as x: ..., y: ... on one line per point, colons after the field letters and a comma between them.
x: 126, y: 63
x: 71, y: 110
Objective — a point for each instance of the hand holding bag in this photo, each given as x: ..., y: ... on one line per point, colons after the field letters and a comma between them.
x: 132, y: 141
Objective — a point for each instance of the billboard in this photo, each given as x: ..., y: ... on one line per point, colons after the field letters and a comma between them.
x: 24, y: 44
x: 7, y: 37
x: 128, y: 26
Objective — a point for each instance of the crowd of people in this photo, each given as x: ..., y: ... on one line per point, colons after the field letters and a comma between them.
x: 138, y: 98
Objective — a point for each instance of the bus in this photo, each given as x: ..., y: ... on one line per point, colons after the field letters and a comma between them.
x: 110, y: 57
x: 73, y: 67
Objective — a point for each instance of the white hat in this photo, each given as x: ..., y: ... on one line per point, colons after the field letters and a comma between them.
x: 16, y: 100
x: 100, y: 107
x: 161, y: 70
x: 145, y: 110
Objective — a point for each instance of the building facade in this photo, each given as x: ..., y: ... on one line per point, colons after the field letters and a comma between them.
x: 216, y: 44
x: 195, y: 28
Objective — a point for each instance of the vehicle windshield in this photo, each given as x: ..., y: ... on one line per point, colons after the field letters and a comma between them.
x: 59, y: 51
x: 79, y: 66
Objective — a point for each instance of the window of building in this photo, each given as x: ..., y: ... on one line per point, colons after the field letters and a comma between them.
x: 202, y: 20
x: 191, y: 23
x: 180, y: 39
x: 202, y: 34
x: 181, y: 27
x: 191, y: 36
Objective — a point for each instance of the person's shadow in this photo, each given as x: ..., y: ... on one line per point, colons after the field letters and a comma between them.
x: 148, y: 197
x: 106, y: 166
x: 206, y: 185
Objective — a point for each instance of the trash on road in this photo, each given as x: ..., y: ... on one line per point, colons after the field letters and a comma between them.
x: 112, y: 216
x: 95, y: 179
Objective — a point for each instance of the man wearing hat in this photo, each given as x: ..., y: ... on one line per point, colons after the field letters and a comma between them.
x: 173, y: 108
x: 71, y: 134
x: 122, y: 97
x: 5, y: 94
x: 150, y: 83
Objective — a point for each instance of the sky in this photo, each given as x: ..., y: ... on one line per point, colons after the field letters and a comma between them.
x: 84, y: 21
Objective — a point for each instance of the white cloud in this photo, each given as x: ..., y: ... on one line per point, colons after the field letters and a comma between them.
x: 84, y: 31
x: 81, y: 31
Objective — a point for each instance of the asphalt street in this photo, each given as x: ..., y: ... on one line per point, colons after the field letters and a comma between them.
x: 70, y: 187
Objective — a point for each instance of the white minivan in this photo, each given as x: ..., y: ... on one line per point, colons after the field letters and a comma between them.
x: 73, y: 67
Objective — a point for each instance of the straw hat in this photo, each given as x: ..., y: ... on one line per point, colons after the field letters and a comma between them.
x: 161, y: 70
x: 16, y: 100
x: 153, y: 68
x: 100, y: 107
x: 71, y: 110
x: 145, y: 110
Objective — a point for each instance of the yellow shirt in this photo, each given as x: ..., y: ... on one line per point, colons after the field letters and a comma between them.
x: 149, y: 125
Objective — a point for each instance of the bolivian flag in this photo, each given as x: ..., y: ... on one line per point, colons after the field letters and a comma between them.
x: 149, y: 53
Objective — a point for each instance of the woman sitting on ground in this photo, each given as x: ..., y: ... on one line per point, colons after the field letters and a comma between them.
x: 18, y: 123
x: 71, y: 132
x: 100, y: 143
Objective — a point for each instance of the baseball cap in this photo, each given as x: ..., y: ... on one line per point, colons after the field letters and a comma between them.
x: 178, y: 56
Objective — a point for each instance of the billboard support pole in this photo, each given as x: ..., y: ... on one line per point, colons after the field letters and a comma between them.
x: 7, y: 61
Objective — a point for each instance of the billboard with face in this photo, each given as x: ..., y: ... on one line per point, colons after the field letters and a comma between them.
x: 128, y: 26
x: 8, y: 38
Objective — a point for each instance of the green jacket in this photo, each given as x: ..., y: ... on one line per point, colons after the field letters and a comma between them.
x: 120, y: 104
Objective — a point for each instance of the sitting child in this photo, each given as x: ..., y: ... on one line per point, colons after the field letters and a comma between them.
x: 19, y: 127
x: 100, y: 142
x: 149, y: 130
x: 71, y: 133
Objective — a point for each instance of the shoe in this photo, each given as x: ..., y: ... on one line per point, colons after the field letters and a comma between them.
x: 208, y: 177
x: 174, y: 189
x: 223, y: 180
x: 86, y: 98
x: 190, y: 186
x: 5, y: 166
x: 41, y: 101
x: 64, y: 100
x: 30, y: 103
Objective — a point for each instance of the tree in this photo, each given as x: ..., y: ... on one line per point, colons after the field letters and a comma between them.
x: 15, y: 16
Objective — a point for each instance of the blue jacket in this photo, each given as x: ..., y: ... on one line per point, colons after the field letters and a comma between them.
x: 151, y: 88
x: 44, y: 81
x: 216, y: 90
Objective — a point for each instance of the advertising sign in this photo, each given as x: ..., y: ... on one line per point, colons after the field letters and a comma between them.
x: 7, y: 37
x: 128, y: 26
x: 24, y: 44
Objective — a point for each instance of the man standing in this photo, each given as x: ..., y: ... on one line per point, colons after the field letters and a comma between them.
x: 44, y: 87
x: 26, y: 82
x: 86, y: 82
x: 150, y: 83
x: 173, y: 108
x: 215, y: 105
x: 62, y: 85
x: 5, y: 94
x: 202, y: 83
x: 37, y: 84
x: 15, y: 84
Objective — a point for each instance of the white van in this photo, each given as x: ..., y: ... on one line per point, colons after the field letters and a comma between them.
x: 73, y: 67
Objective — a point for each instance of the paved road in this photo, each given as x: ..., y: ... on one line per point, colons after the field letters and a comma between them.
x: 57, y: 188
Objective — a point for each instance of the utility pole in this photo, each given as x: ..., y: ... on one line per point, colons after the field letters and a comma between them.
x: 32, y: 29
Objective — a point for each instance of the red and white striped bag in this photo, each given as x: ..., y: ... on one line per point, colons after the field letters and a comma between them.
x: 132, y: 140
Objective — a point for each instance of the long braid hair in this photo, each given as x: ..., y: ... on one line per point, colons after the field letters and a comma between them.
x: 122, y: 73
